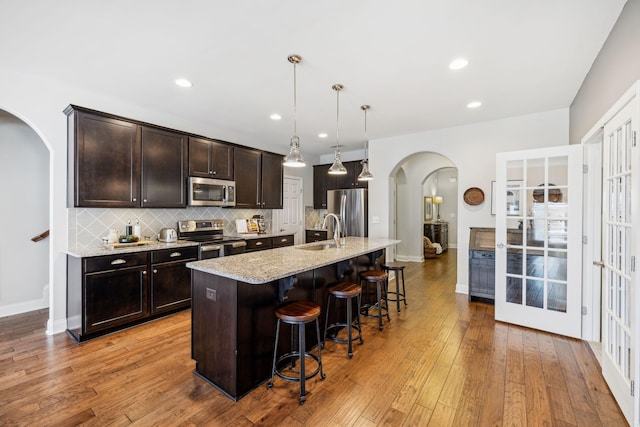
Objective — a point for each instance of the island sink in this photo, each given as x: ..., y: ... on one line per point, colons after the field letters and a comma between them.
x: 318, y: 247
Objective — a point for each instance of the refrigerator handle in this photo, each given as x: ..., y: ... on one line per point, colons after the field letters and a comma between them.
x: 343, y: 216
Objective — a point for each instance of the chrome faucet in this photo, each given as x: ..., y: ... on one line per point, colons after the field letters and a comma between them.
x: 336, y: 230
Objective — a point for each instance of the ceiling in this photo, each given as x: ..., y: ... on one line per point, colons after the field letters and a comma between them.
x: 524, y: 57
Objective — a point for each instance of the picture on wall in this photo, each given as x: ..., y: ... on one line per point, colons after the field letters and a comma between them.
x: 428, y: 208
x: 514, y: 191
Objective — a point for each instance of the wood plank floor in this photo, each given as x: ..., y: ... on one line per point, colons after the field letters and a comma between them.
x: 442, y: 361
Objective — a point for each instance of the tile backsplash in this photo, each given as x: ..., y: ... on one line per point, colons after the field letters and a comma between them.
x: 87, y: 226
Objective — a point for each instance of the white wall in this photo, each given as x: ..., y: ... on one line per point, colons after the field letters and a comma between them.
x: 24, y: 173
x: 472, y: 150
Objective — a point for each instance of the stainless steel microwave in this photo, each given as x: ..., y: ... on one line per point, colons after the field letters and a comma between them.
x: 211, y: 192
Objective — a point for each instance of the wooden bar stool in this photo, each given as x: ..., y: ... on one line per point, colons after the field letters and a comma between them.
x: 380, y: 279
x: 297, y: 314
x: 346, y: 291
x: 397, y: 295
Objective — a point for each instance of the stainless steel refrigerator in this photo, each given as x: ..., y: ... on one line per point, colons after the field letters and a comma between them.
x: 351, y: 206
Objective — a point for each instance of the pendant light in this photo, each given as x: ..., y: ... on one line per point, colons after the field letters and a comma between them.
x: 294, y: 159
x: 365, y: 175
x: 337, y: 168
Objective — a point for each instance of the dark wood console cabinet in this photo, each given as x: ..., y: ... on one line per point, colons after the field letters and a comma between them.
x: 438, y: 232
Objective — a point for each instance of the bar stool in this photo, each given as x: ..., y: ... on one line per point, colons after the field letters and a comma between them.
x: 398, y: 296
x: 378, y: 277
x: 346, y: 291
x: 297, y: 314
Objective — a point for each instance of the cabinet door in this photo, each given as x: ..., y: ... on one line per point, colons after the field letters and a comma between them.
x: 200, y: 158
x: 106, y: 161
x: 272, y: 181
x: 164, y: 165
x: 354, y: 169
x: 222, y: 160
x: 344, y: 181
x: 170, y: 287
x: 247, y: 172
x: 115, y: 297
x: 320, y: 179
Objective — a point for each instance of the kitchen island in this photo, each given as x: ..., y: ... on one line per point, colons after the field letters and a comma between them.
x: 234, y: 301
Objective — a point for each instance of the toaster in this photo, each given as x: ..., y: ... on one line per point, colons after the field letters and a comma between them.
x: 168, y: 235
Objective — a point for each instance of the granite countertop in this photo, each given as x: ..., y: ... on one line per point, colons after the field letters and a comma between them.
x: 273, y: 264
x: 101, y: 250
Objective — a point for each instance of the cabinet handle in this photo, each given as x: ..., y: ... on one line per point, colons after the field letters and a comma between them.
x: 175, y: 254
x: 155, y: 271
x: 258, y: 243
x: 316, y: 234
x: 134, y: 200
x: 144, y: 272
x: 118, y: 261
x: 214, y: 172
x: 283, y: 240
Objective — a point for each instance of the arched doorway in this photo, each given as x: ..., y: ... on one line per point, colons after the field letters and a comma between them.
x: 417, y: 176
x: 24, y: 264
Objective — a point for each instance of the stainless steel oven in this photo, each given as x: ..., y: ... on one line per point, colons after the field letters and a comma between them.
x: 211, y: 192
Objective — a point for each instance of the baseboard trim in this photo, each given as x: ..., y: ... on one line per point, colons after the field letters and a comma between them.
x: 462, y: 289
x: 409, y: 258
x: 23, y: 307
x: 56, y: 327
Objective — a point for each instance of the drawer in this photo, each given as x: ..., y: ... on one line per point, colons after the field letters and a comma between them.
x: 175, y: 254
x: 281, y: 241
x: 483, y: 255
x: 315, y: 235
x: 112, y: 262
x: 259, y: 244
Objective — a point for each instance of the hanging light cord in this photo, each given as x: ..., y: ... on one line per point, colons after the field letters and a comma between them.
x: 366, y: 138
x: 337, y: 121
x: 295, y: 104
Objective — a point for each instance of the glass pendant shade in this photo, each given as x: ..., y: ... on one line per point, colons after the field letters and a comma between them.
x: 294, y: 159
x: 337, y: 168
x: 365, y: 175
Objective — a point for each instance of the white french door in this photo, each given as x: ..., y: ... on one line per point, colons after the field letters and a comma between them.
x: 292, y: 214
x: 538, y: 239
x: 619, y: 214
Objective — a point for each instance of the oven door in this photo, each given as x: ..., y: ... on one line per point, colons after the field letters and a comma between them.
x: 211, y: 192
x: 208, y: 251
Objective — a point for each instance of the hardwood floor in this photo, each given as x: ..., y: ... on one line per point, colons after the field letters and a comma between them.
x: 441, y: 361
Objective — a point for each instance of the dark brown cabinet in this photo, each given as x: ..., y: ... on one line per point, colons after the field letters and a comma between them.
x: 111, y: 292
x: 315, y: 235
x: 117, y: 163
x: 322, y: 181
x: 171, y: 279
x: 164, y: 166
x: 438, y: 232
x: 210, y: 159
x: 259, y: 176
x: 262, y: 243
x: 320, y: 186
x: 104, y: 161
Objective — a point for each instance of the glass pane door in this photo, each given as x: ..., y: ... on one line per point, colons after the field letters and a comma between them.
x: 538, y: 236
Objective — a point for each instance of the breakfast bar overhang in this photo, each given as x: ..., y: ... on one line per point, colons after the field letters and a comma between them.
x: 234, y: 300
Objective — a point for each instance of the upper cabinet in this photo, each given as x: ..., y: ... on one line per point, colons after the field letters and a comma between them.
x: 322, y: 182
x: 258, y: 177
x: 104, y: 153
x: 320, y: 186
x: 210, y: 159
x: 164, y: 166
x: 117, y: 163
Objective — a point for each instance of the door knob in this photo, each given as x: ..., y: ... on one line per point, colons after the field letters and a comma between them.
x: 598, y: 264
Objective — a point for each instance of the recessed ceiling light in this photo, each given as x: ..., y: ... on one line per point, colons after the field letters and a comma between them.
x: 322, y: 135
x: 183, y: 83
x: 474, y: 104
x: 275, y: 116
x: 458, y: 64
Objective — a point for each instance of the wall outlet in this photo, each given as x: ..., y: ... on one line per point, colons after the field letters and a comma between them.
x: 375, y: 220
x: 211, y: 294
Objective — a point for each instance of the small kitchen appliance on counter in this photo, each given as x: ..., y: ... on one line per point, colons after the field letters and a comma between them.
x: 168, y: 235
x: 209, y: 233
x: 262, y: 226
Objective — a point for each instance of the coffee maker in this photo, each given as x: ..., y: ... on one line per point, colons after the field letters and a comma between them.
x: 262, y: 226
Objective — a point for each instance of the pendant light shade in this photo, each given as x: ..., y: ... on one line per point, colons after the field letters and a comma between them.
x: 337, y: 168
x: 365, y: 175
x: 294, y: 159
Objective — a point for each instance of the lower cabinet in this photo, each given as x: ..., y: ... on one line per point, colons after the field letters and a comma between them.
x: 111, y: 292
x: 263, y: 243
x: 482, y: 276
x: 171, y: 279
x: 315, y: 235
